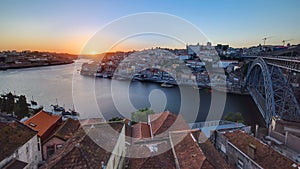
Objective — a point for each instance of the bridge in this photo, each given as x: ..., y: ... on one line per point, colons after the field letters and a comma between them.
x: 269, y: 85
x: 289, y: 63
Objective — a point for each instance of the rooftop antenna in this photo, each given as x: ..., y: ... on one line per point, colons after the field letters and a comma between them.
x: 265, y: 39
x: 283, y: 41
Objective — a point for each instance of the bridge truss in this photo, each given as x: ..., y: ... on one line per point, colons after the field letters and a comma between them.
x: 271, y: 91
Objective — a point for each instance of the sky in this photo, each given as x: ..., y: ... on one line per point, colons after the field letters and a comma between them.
x: 67, y: 26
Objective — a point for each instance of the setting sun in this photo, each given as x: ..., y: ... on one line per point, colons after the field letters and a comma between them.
x: 93, y: 53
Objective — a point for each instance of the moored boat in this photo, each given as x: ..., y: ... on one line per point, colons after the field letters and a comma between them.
x: 166, y: 85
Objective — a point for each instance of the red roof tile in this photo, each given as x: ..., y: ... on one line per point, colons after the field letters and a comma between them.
x: 208, y: 165
x: 82, y: 151
x: 265, y: 156
x: 141, y: 130
x: 166, y: 121
x: 213, y: 157
x: 66, y: 130
x: 91, y: 121
x: 15, y: 164
x: 163, y: 158
x: 187, y: 151
x: 43, y: 122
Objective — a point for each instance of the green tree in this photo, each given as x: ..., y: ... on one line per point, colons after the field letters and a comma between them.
x: 10, y: 102
x: 21, y: 107
x: 234, y: 117
x: 141, y: 115
x: 116, y: 119
x: 1, y: 104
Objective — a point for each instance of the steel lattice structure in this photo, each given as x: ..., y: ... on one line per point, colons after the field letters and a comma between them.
x: 271, y: 91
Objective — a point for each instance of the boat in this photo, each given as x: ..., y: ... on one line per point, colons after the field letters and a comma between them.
x: 64, y: 113
x: 73, y: 112
x: 166, y: 85
x: 99, y: 75
x: 33, y: 103
x: 197, y: 87
x: 57, y: 108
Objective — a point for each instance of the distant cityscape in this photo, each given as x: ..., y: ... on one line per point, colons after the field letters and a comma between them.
x: 34, y: 138
x: 220, y: 66
x: 23, y: 59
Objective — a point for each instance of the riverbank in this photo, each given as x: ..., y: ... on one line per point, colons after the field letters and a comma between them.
x: 27, y: 59
x: 196, y: 85
x: 30, y: 65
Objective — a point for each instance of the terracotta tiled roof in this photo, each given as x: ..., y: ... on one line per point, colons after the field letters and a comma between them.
x: 166, y: 121
x: 82, y: 151
x: 141, y: 130
x: 265, y: 156
x: 12, y: 136
x: 212, y: 156
x: 207, y: 165
x: 163, y: 158
x: 15, y: 164
x: 67, y: 129
x: 91, y: 121
x: 43, y: 122
x: 187, y: 151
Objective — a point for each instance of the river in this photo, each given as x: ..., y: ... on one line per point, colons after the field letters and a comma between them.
x: 96, y: 97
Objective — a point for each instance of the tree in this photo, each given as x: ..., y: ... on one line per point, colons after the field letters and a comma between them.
x: 21, y: 107
x: 1, y: 104
x: 10, y: 101
x: 141, y: 115
x: 116, y: 119
x: 234, y: 117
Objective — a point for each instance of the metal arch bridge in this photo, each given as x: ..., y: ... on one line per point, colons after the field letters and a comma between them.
x: 270, y: 87
x: 289, y: 63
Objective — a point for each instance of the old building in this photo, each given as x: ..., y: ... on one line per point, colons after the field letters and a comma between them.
x: 286, y: 134
x: 44, y: 123
x: 167, y: 142
x: 243, y: 151
x: 20, y: 146
x: 59, y: 137
x: 99, y: 145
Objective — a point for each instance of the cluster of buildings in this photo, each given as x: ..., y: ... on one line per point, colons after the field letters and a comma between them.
x: 161, y: 65
x: 164, y: 141
x: 220, y: 66
x: 27, y: 58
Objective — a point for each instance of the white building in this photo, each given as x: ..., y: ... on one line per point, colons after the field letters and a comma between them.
x: 21, y: 146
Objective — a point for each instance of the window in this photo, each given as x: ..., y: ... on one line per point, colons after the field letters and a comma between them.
x: 240, y: 164
x: 223, y: 148
x: 50, y: 150
x: 58, y: 146
x: 27, y: 148
x: 32, y: 124
x: 39, y: 147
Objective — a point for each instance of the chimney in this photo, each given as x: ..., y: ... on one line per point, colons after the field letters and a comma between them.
x: 286, y: 137
x: 256, y: 130
x: 251, y: 151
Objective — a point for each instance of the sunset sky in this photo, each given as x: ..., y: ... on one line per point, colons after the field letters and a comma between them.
x: 66, y: 26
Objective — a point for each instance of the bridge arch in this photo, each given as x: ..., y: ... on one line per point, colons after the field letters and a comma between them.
x: 259, y: 85
x: 271, y: 91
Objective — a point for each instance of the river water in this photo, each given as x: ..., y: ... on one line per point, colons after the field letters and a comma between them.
x: 97, y: 97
